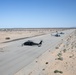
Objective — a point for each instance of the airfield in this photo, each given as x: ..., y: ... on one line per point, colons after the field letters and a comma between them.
x: 56, y: 56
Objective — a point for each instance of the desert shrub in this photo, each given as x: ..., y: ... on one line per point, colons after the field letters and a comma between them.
x: 43, y: 69
x: 36, y: 61
x: 64, y: 50
x: 57, y: 71
x: 57, y: 47
x: 46, y: 62
x: 70, y: 56
x: 7, y: 38
x: 72, y: 47
x: 59, y: 54
x: 60, y: 58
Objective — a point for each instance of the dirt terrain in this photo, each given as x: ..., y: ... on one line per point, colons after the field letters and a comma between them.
x: 7, y: 35
x: 60, y: 60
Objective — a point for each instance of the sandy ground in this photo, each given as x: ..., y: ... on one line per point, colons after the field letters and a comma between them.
x: 10, y: 35
x: 14, y: 35
x: 60, y: 61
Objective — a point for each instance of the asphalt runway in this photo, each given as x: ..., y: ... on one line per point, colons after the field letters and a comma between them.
x: 15, y: 56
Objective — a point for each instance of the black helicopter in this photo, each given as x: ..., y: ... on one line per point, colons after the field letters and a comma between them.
x: 31, y: 43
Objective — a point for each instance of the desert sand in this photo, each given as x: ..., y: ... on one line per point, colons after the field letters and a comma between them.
x: 18, y: 34
x: 7, y: 36
x: 60, y: 61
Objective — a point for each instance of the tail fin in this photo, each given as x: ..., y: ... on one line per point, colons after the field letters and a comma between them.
x: 39, y: 45
x: 41, y: 42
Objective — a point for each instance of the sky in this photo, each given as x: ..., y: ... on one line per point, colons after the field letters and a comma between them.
x: 37, y: 13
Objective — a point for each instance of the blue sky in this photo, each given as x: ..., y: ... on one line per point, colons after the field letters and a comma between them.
x: 37, y: 13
